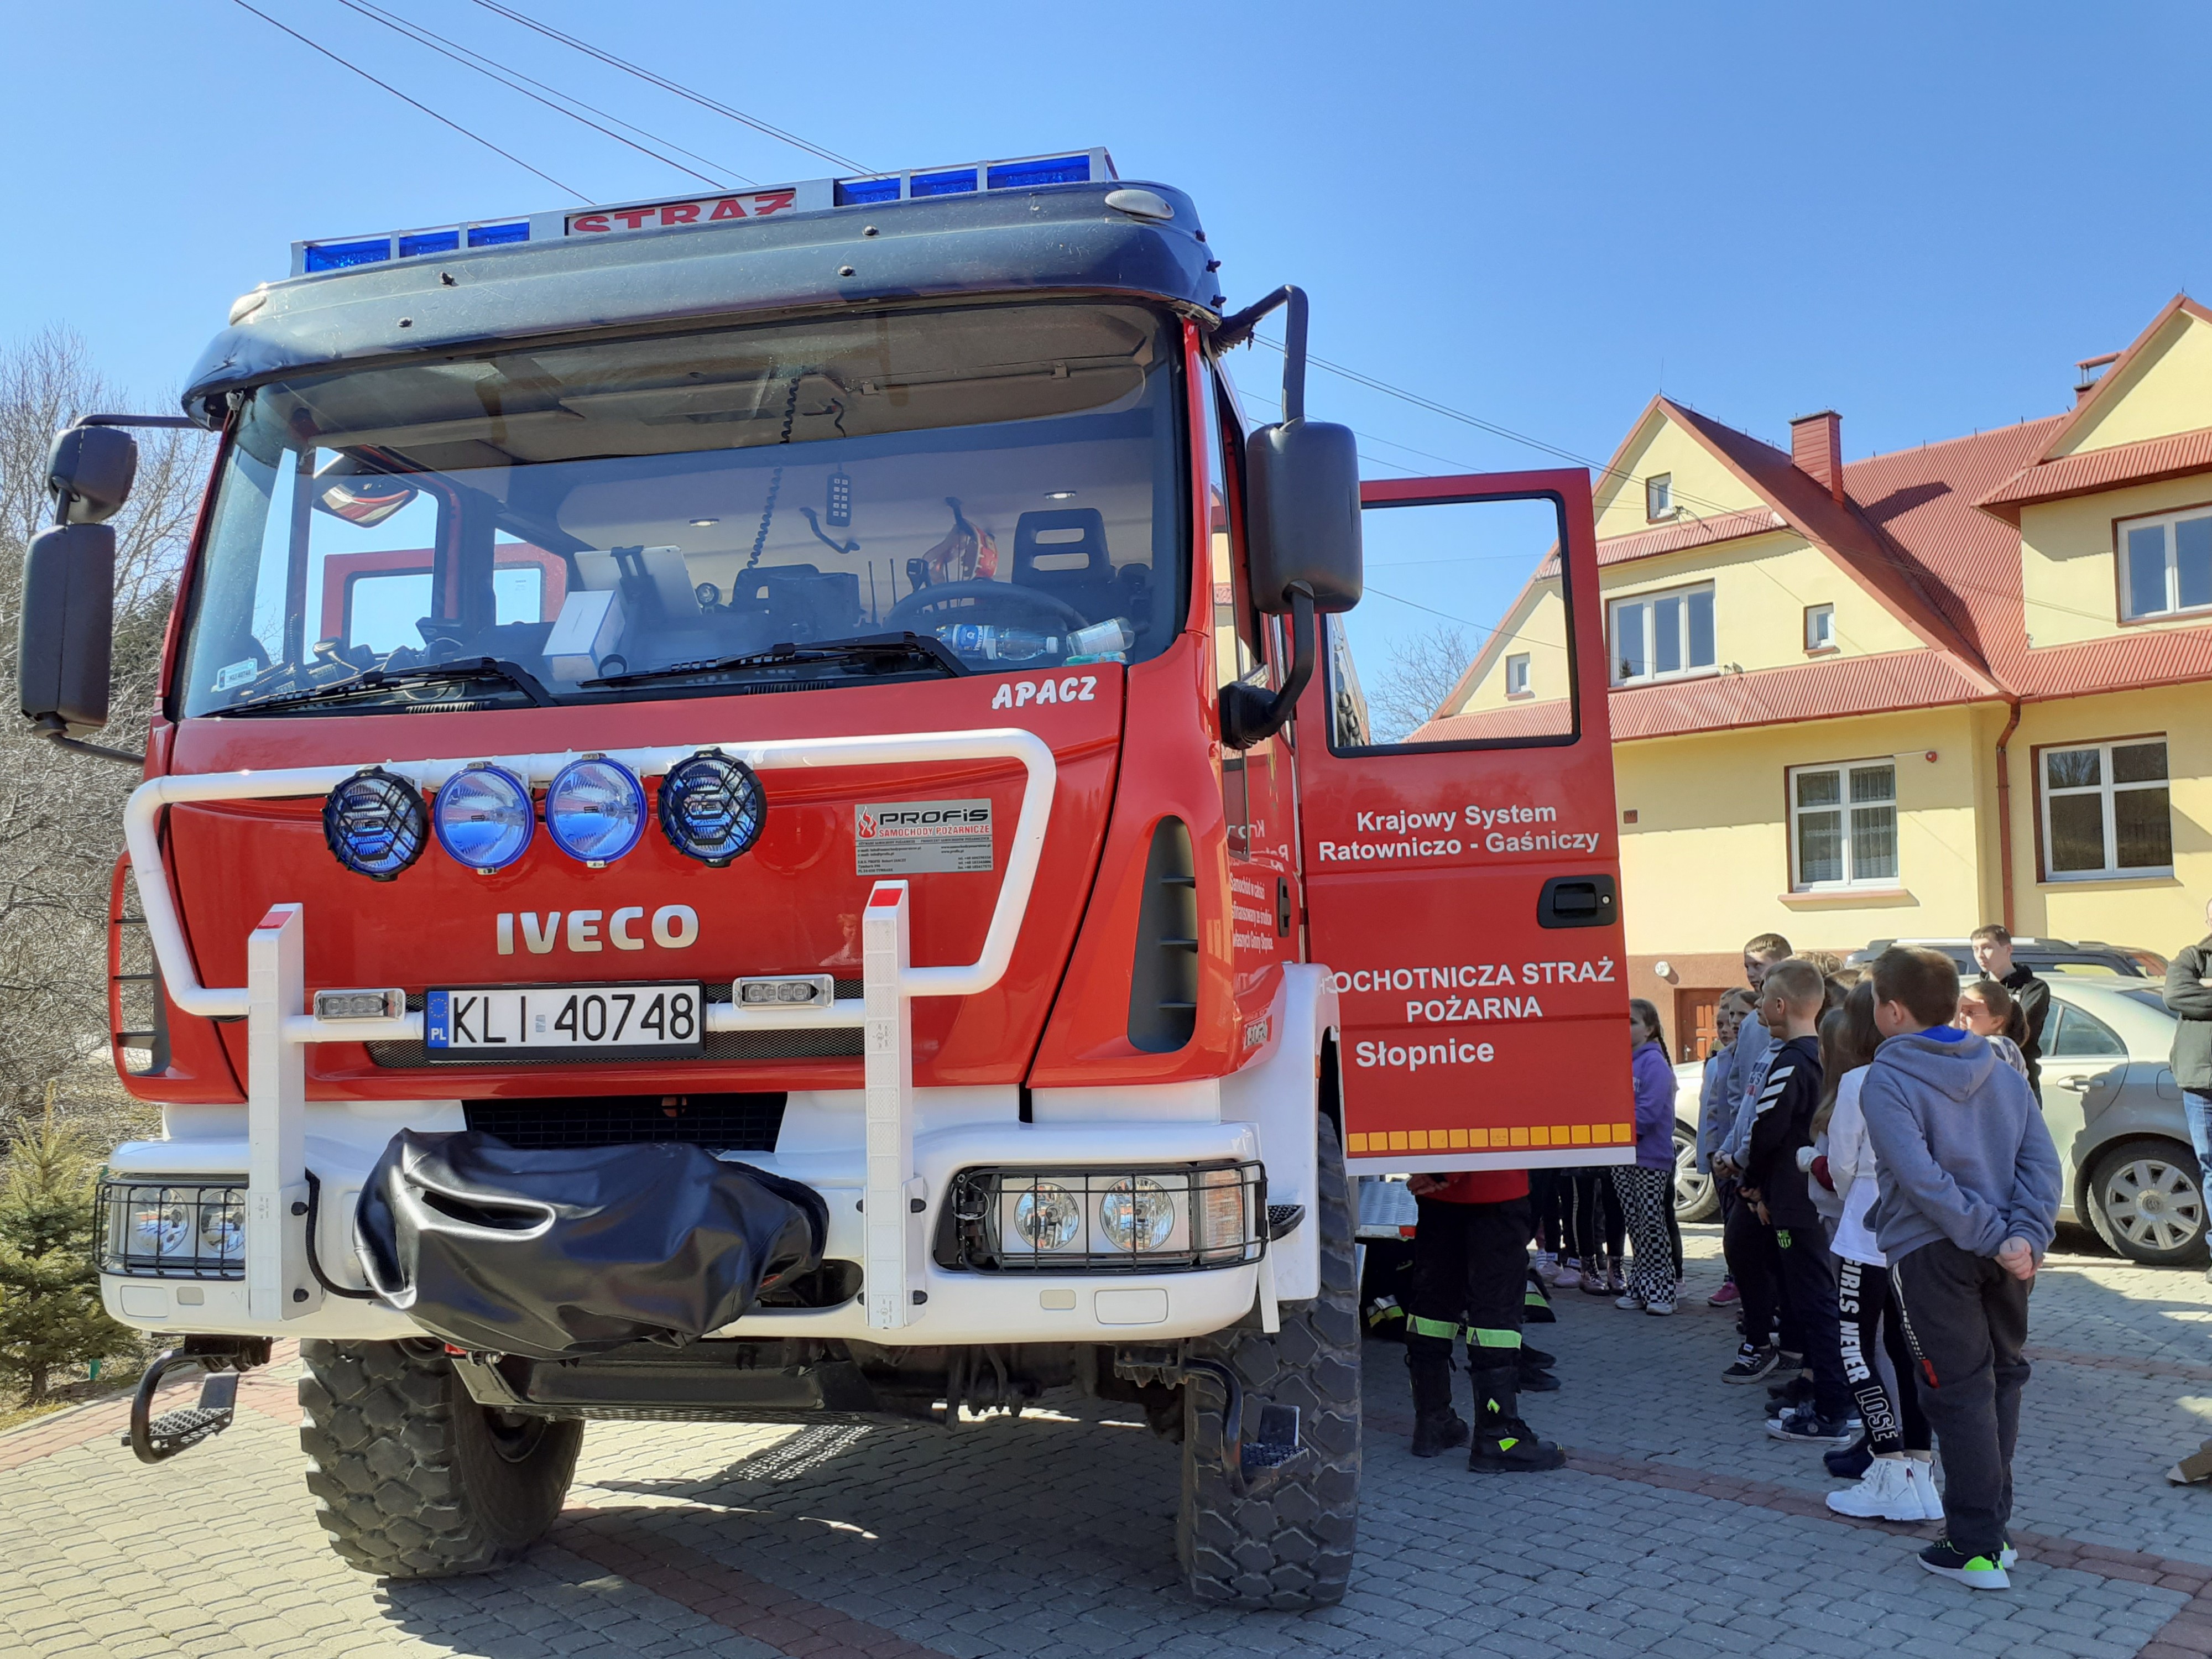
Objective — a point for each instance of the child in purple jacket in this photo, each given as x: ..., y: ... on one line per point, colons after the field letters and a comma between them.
x: 1647, y: 1189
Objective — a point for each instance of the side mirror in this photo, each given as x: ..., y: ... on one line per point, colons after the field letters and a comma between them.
x: 67, y: 627
x: 1302, y: 522
x: 92, y: 469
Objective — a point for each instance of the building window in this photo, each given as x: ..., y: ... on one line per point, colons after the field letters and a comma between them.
x: 1659, y: 496
x: 1516, y: 675
x: 1662, y: 636
x: 1820, y: 627
x: 2105, y: 810
x: 1843, y: 826
x: 2166, y: 565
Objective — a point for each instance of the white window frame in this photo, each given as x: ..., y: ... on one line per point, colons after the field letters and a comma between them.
x: 1659, y: 497
x: 1852, y: 879
x: 1516, y: 675
x: 2123, y: 536
x: 2107, y: 788
x: 1649, y: 601
x: 1820, y: 627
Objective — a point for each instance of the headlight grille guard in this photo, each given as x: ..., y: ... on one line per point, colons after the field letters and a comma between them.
x: 972, y: 1230
x: 198, y: 1226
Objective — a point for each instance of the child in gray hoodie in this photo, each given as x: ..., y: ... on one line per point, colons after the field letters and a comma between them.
x: 1968, y: 1186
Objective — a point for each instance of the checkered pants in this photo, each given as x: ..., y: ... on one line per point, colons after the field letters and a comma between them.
x: 1645, y: 1197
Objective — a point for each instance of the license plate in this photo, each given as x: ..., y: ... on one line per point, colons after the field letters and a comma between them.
x: 600, y: 1021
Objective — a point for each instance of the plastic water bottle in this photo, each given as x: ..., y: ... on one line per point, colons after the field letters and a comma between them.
x: 1027, y: 644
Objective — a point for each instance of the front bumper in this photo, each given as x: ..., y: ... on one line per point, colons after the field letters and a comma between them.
x: 954, y: 1307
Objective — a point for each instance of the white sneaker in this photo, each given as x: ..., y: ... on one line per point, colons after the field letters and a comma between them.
x: 1628, y: 1303
x: 1661, y: 1309
x: 1921, y: 1471
x: 1569, y: 1276
x: 1547, y: 1266
x: 1884, y: 1492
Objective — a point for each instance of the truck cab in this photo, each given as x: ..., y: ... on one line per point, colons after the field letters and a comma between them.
x: 760, y: 807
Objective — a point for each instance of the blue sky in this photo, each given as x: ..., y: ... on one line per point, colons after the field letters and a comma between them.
x: 1920, y: 215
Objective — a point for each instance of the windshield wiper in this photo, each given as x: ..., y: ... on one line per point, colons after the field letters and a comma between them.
x: 871, y: 648
x: 385, y: 679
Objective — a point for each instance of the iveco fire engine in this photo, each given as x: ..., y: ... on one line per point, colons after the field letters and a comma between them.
x: 759, y: 811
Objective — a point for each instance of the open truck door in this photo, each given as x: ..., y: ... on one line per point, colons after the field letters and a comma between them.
x: 1462, y: 881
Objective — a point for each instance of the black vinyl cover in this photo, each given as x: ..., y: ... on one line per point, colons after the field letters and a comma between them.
x: 577, y: 1249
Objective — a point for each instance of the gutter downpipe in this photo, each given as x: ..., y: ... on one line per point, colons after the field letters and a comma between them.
x: 2004, y: 811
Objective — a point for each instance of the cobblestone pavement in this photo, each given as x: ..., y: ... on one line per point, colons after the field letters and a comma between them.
x: 1679, y: 1529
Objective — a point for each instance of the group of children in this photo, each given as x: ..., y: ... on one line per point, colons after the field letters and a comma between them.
x: 1888, y: 1188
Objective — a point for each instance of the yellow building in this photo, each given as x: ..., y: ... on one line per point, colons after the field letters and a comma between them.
x: 1904, y: 696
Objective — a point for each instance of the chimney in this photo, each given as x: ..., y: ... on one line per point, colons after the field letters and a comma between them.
x: 1816, y: 444
x: 2088, y: 372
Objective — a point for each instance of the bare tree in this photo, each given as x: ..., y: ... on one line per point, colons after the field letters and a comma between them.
x: 60, y: 813
x: 1416, y: 679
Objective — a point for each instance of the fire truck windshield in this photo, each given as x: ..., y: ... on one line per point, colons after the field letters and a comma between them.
x: 908, y: 493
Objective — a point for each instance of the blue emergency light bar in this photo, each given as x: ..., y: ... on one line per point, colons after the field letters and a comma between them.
x: 728, y: 207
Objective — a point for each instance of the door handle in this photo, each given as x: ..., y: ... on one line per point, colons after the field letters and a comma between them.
x: 2080, y: 1085
x: 1576, y: 901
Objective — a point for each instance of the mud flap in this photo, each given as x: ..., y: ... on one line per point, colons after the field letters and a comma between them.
x: 575, y: 1250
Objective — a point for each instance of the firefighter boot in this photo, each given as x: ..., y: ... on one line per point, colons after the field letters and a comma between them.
x: 1436, y: 1427
x: 1503, y: 1444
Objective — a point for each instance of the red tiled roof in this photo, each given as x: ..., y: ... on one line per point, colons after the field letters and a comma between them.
x: 2145, y: 461
x: 1545, y: 718
x: 1890, y: 572
x: 1685, y: 532
x: 1775, y: 696
x: 1767, y: 697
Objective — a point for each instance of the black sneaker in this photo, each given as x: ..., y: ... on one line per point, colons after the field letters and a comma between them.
x: 1946, y: 1560
x: 1536, y: 1380
x: 1751, y: 1365
x: 1851, y: 1462
x: 1532, y: 1355
x: 1808, y: 1428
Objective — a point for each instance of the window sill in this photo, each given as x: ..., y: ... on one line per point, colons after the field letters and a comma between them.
x: 1846, y: 897
x: 1520, y: 697
x: 2115, y: 878
x: 1824, y: 650
x: 1706, y: 672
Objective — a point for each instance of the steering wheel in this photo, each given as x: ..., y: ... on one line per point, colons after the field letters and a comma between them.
x: 1054, y: 612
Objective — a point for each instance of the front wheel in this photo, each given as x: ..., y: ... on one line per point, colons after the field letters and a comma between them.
x: 1291, y: 1549
x: 2146, y: 1201
x: 412, y: 1479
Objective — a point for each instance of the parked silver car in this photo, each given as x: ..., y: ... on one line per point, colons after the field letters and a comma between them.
x: 2113, y: 1110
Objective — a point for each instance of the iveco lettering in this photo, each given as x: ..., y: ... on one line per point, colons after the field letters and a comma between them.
x: 761, y: 806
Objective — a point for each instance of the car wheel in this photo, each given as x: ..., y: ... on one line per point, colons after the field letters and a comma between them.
x: 1696, y: 1197
x: 2146, y: 1201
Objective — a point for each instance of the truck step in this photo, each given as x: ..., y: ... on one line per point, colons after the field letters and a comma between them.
x: 164, y: 1436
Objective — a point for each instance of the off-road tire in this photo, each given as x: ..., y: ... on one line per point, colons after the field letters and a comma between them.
x: 1293, y: 1550
x: 412, y: 1479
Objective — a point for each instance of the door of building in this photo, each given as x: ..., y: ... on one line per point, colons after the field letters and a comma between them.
x: 1462, y: 879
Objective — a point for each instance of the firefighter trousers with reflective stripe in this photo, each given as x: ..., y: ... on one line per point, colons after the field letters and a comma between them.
x: 1965, y: 1320
x: 1470, y: 1262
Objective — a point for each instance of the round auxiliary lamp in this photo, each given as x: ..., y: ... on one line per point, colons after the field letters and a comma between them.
x: 375, y: 823
x: 595, y: 810
x: 483, y: 817
x: 712, y: 808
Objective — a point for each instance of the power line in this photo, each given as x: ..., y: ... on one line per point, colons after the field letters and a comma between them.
x: 493, y: 69
x: 667, y: 85
x: 443, y: 120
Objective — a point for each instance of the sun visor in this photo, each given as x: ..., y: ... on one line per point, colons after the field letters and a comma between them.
x: 548, y: 1254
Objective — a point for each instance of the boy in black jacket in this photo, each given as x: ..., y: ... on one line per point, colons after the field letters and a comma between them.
x: 1790, y: 1005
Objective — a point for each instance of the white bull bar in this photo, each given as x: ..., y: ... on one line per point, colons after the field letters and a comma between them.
x: 274, y: 1000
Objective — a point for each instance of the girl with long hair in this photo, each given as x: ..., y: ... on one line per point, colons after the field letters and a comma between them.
x: 1646, y: 1190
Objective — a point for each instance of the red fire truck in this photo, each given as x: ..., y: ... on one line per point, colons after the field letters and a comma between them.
x: 759, y: 811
